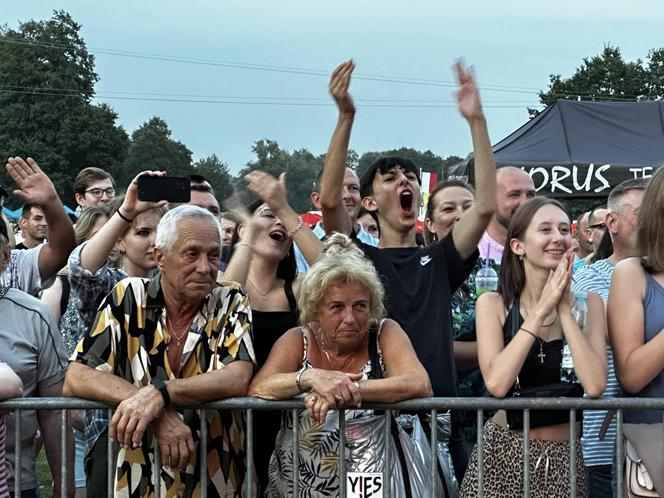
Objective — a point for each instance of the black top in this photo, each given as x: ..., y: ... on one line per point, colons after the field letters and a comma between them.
x: 419, y: 283
x: 269, y: 326
x: 535, y: 373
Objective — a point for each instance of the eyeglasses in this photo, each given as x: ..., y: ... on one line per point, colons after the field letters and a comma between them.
x: 601, y: 226
x: 98, y: 192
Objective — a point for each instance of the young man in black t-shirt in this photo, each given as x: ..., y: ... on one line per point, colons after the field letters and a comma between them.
x: 418, y: 281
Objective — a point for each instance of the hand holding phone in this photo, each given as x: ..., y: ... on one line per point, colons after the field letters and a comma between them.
x: 164, y: 188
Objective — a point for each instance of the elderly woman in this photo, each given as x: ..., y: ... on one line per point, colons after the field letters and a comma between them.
x: 159, y: 344
x: 330, y: 359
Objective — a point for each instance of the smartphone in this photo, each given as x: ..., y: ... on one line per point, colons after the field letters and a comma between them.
x: 164, y: 188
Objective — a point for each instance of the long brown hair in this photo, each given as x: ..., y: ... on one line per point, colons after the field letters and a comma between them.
x: 649, y: 233
x: 512, y: 276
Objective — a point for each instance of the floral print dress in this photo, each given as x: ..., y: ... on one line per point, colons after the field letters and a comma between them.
x: 318, y: 447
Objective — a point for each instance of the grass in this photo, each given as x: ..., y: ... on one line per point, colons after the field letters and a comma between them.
x: 44, y: 476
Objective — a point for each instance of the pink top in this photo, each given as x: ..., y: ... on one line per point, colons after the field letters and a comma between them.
x: 490, y: 249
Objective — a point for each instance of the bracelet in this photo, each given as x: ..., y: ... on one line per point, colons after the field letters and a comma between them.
x: 297, y: 228
x: 243, y: 243
x: 161, y: 387
x: 529, y: 332
x: 298, y: 379
x: 122, y: 216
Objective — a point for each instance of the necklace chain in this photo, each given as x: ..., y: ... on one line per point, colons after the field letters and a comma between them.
x: 262, y: 294
x: 171, y: 330
x: 348, y: 363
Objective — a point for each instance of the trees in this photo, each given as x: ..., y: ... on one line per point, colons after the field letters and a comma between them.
x: 47, y: 83
x: 301, y: 167
x: 426, y: 160
x: 609, y: 77
x: 152, y: 148
x: 216, y: 172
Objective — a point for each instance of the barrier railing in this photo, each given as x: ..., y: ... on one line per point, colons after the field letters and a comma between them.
x: 430, y: 405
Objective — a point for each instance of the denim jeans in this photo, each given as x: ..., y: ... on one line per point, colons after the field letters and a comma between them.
x: 599, y: 481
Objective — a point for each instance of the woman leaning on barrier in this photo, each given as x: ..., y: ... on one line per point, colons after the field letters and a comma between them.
x: 328, y: 359
x: 520, y: 333
x: 635, y: 313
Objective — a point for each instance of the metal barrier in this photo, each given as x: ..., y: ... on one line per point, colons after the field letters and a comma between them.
x: 431, y: 405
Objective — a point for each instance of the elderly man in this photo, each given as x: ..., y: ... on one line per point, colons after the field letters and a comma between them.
x: 159, y: 344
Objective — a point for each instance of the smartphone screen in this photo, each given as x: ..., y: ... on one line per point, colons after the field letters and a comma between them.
x: 164, y: 188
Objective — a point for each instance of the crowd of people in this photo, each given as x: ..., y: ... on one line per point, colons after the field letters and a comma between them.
x: 153, y: 308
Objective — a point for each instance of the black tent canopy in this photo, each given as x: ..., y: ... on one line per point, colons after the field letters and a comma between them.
x: 583, y: 149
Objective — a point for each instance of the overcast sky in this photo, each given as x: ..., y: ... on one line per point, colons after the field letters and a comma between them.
x: 514, y: 46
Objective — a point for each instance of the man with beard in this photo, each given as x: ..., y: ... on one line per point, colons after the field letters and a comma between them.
x: 513, y: 187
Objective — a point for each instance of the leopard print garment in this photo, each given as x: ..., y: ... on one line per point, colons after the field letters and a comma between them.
x: 503, y: 467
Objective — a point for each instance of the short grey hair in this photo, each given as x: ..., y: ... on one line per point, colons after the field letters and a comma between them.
x: 614, y: 201
x: 341, y: 262
x: 168, y: 225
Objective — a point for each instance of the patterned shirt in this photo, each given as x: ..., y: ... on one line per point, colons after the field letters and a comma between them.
x: 129, y: 339
x: 88, y: 290
x: 4, y: 491
x: 597, y: 278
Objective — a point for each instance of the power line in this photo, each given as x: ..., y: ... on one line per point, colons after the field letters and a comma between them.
x: 320, y: 72
x: 239, y: 101
x: 273, y: 68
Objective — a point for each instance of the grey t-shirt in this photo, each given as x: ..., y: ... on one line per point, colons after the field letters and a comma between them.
x: 31, y: 345
x: 22, y: 272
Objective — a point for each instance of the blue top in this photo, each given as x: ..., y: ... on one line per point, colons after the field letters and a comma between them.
x: 653, y: 323
x: 319, y: 231
x: 596, y: 277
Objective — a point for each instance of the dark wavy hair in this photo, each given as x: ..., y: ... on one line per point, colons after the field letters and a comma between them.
x: 512, y: 276
x: 287, y: 268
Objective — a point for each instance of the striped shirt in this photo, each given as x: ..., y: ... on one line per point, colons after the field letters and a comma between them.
x: 597, y: 278
x: 4, y: 491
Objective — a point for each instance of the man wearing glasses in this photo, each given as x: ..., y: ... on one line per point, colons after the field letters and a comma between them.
x: 93, y: 186
x: 596, y: 226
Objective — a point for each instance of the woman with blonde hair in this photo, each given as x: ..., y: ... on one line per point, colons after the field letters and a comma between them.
x: 344, y: 353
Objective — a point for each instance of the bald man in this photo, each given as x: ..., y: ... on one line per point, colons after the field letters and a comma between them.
x: 513, y: 187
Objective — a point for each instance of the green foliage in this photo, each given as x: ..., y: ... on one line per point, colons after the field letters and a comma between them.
x: 426, y: 160
x: 152, y: 148
x: 47, y: 81
x: 215, y: 172
x: 609, y: 77
x: 301, y: 167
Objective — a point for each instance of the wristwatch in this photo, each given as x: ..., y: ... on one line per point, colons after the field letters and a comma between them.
x: 163, y: 389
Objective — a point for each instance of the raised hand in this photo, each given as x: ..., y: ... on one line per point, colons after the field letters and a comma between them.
x: 271, y: 190
x: 131, y: 206
x: 338, y: 87
x: 34, y: 187
x: 467, y: 96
